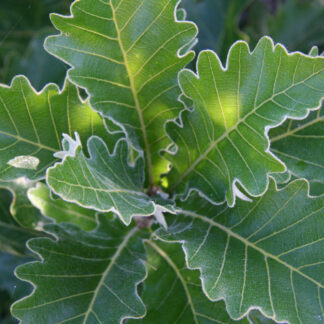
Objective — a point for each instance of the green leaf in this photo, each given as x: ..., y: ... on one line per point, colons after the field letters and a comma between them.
x: 256, y: 317
x: 300, y: 144
x: 31, y: 126
x: 13, y: 236
x: 224, y: 140
x: 60, y: 210
x: 21, y: 208
x: 126, y: 54
x: 84, y: 276
x: 104, y: 182
x: 267, y: 254
x: 172, y: 293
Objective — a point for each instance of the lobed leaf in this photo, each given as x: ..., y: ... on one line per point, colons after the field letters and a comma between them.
x: 224, y: 141
x: 84, y: 277
x: 32, y: 124
x: 172, y: 293
x: 266, y: 254
x: 104, y: 182
x: 126, y: 54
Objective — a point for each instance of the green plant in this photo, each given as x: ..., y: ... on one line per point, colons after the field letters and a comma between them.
x: 106, y: 190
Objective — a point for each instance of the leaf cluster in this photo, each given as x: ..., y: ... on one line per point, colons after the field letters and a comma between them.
x: 168, y: 194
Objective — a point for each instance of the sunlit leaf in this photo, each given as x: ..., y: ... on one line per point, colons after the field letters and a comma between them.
x: 126, y: 54
x: 267, y: 254
x: 32, y: 124
x: 224, y: 140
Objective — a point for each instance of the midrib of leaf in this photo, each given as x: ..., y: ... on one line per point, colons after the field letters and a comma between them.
x: 249, y: 244
x: 178, y: 273
x: 106, y: 272
x: 22, y: 139
x: 117, y: 190
x: 295, y: 130
x: 241, y: 120
x: 134, y: 92
x: 17, y: 136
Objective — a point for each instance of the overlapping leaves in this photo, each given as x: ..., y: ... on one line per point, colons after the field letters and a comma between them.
x: 104, y: 182
x: 61, y: 210
x: 224, y: 141
x: 266, y: 254
x: 126, y: 54
x: 173, y: 294
x: 13, y: 236
x: 293, y: 141
x: 32, y: 124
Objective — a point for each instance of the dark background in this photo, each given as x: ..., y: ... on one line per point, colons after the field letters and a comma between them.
x: 298, y: 24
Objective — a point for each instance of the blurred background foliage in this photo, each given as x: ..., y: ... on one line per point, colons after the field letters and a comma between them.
x: 298, y: 24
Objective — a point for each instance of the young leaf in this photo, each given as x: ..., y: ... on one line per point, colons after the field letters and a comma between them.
x: 31, y: 126
x: 13, y: 236
x: 126, y: 55
x: 300, y: 144
x: 172, y: 293
x: 267, y: 254
x: 60, y: 210
x: 224, y: 140
x: 104, y: 182
x: 21, y: 208
x: 84, y: 277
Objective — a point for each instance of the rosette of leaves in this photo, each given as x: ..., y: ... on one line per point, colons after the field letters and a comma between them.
x: 132, y: 166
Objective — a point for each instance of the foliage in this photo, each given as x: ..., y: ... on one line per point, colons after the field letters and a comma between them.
x: 145, y: 191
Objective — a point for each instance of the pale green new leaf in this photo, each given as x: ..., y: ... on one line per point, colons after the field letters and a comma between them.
x: 267, y: 254
x: 61, y: 211
x: 32, y: 124
x: 173, y: 294
x: 126, y: 54
x: 21, y: 208
x: 85, y: 277
x: 300, y: 144
x: 13, y: 236
x: 224, y: 140
x: 104, y: 182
